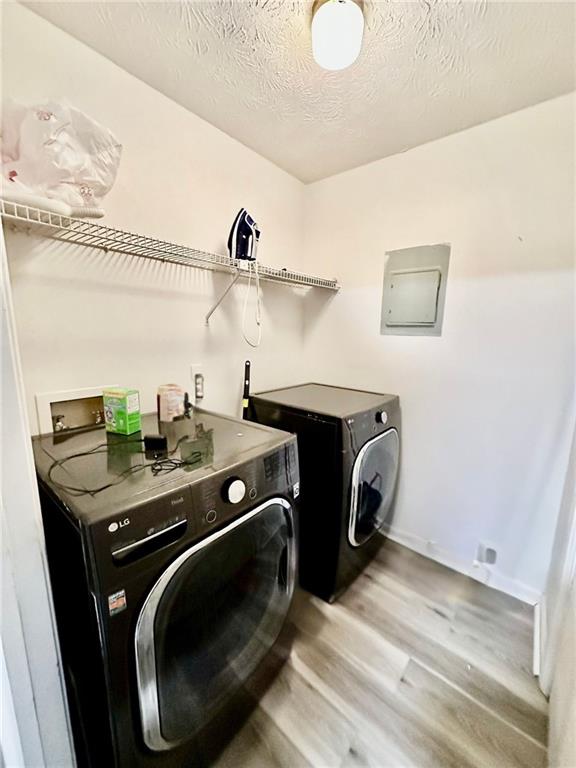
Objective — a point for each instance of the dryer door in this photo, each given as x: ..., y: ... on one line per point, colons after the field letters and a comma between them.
x: 374, y: 477
x: 209, y: 621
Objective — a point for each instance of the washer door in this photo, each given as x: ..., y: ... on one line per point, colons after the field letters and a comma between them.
x: 374, y: 477
x: 209, y: 621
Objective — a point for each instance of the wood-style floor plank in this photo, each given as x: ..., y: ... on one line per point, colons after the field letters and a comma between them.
x: 462, y: 672
x: 261, y: 744
x: 475, y: 636
x: 353, y: 639
x: 486, y: 739
x: 416, y: 666
x: 396, y: 733
x: 318, y: 730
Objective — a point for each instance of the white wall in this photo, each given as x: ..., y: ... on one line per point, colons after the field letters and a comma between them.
x: 86, y: 318
x: 486, y: 407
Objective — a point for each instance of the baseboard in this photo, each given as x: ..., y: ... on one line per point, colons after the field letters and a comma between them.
x: 485, y: 574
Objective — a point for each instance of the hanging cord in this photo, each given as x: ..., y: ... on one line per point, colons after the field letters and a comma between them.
x: 258, y: 307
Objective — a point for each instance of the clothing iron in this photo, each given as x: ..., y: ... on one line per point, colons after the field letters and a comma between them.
x: 244, y: 236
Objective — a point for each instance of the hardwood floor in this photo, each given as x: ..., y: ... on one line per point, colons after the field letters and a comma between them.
x: 416, y: 665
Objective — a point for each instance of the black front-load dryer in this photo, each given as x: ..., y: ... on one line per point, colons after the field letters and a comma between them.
x: 349, y: 450
x: 172, y: 581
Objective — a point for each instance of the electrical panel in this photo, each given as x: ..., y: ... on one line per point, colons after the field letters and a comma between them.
x: 414, y: 291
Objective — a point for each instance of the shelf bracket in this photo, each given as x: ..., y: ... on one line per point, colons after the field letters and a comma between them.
x: 221, y: 299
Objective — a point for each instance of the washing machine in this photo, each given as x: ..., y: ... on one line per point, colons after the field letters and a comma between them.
x: 349, y: 449
x: 172, y: 577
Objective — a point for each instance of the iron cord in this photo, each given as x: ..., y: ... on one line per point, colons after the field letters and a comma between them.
x: 258, y: 307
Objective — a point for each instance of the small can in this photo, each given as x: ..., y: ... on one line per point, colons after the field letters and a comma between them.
x: 170, y: 402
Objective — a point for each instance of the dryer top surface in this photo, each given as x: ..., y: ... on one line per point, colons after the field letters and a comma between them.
x: 324, y: 399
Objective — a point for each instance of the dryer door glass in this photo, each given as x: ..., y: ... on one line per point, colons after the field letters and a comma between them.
x: 210, y: 620
x: 374, y: 477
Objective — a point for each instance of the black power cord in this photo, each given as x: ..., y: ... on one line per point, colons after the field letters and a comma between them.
x: 157, y: 467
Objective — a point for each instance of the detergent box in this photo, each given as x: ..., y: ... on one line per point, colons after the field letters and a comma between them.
x: 122, y: 410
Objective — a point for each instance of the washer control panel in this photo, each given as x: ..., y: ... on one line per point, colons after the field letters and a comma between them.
x: 220, y: 498
x: 191, y: 512
x: 141, y: 531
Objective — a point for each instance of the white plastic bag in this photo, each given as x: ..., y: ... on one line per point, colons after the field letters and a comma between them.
x: 54, y: 150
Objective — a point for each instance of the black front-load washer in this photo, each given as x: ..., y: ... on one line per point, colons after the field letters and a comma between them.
x: 171, y: 588
x: 349, y: 449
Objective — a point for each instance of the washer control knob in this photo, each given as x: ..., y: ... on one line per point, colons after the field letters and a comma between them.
x: 234, y: 490
x: 381, y: 417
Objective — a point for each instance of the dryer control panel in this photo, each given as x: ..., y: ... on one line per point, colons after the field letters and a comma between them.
x: 368, y: 424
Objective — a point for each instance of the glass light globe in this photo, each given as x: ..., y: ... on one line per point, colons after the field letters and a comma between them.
x: 337, y: 30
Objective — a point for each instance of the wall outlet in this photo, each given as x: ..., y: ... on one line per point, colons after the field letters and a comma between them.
x: 486, y: 553
x: 197, y: 376
x: 196, y: 368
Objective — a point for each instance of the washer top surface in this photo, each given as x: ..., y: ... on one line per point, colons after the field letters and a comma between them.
x: 325, y: 399
x: 211, y: 442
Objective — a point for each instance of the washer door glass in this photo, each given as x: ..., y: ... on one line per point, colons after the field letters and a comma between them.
x: 374, y: 477
x: 210, y: 620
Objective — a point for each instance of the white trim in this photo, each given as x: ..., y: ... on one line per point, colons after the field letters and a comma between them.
x: 561, y: 575
x: 29, y: 637
x: 10, y: 736
x: 45, y: 399
x: 488, y: 575
x: 536, y: 640
x: 10, y: 742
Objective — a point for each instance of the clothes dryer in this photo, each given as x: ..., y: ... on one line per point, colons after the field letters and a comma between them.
x: 349, y: 450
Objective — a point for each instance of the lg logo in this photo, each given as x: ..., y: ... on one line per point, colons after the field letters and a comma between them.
x: 113, y: 527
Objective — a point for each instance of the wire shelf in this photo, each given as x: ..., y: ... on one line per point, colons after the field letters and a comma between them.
x: 82, y: 232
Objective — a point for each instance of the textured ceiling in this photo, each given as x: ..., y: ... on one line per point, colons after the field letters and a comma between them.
x: 427, y: 68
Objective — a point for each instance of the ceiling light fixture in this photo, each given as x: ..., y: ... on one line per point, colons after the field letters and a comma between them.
x: 337, y: 30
